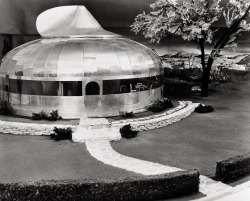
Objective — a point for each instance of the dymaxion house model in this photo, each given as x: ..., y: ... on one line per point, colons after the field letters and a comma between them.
x: 78, y: 67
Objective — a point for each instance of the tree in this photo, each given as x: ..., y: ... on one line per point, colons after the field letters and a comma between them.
x: 192, y: 20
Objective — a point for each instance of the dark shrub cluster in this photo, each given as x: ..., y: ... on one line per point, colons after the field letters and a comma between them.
x: 128, y: 115
x: 39, y: 116
x: 54, y: 116
x: 174, y: 84
x: 160, y: 105
x: 127, y: 131
x: 5, y: 107
x: 61, y: 134
x: 44, y: 116
x: 204, y: 108
x: 217, y: 76
x: 189, y: 75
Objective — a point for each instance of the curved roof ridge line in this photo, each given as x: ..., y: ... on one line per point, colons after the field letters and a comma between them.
x: 70, y: 21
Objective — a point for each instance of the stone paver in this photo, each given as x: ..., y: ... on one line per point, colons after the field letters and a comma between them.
x: 97, y: 134
x: 240, y: 192
x: 84, y: 134
x: 110, y: 131
x: 209, y: 186
x: 18, y: 128
x: 184, y: 109
x: 102, y: 151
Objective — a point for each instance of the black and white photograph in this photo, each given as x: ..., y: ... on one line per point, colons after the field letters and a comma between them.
x: 124, y: 100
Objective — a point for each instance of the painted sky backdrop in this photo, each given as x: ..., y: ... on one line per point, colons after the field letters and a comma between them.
x: 19, y: 16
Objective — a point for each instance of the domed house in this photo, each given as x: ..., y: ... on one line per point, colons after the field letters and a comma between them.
x: 79, y: 69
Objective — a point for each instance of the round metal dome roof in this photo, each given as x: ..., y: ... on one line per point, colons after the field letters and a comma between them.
x: 78, y: 51
x: 68, y: 58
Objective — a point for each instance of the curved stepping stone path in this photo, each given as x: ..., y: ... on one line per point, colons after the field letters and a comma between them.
x: 102, y: 151
x: 85, y: 134
x: 99, y: 147
x: 97, y: 134
x: 93, y: 129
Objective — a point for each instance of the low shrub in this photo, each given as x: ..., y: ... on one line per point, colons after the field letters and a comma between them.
x: 39, y: 116
x: 204, y: 108
x: 54, y: 116
x: 168, y: 103
x: 128, y: 115
x: 160, y: 105
x: 127, y: 132
x: 233, y: 168
x: 155, y: 187
x: 217, y: 76
x: 177, y: 84
x: 189, y: 75
x: 5, y: 107
x: 61, y: 134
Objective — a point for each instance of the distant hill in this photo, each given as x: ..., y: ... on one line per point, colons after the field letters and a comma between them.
x: 234, y: 62
x: 244, y: 60
x: 183, y: 54
x: 166, y: 56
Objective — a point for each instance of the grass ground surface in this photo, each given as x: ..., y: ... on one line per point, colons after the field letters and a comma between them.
x: 195, y: 142
x: 201, y: 139
x: 34, y: 158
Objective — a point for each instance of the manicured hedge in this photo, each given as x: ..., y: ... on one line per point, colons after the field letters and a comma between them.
x: 233, y: 168
x: 135, y: 188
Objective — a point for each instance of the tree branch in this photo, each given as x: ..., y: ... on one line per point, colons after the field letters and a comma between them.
x: 233, y: 28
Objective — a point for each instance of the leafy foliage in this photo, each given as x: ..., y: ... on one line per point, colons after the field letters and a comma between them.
x: 54, y: 116
x: 204, y: 108
x: 160, y: 105
x: 127, y: 131
x: 44, y: 116
x: 62, y: 134
x: 39, y: 116
x: 128, y: 115
x: 217, y: 76
x: 192, y: 20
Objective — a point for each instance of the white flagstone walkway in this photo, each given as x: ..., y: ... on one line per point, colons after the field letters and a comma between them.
x: 102, y: 151
x: 97, y: 134
x: 98, y: 144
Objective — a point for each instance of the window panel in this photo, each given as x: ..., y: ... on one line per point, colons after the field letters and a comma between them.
x: 45, y: 88
x: 131, y: 85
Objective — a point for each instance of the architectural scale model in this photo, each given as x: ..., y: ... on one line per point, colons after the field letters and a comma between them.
x: 79, y: 68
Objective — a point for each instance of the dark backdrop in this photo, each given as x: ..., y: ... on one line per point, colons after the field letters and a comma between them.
x: 19, y: 16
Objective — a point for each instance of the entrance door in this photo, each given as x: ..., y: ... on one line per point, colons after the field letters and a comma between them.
x: 92, y: 99
x: 92, y: 88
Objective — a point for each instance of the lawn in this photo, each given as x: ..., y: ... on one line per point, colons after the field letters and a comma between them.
x: 35, y: 158
x: 201, y: 139
x: 195, y: 142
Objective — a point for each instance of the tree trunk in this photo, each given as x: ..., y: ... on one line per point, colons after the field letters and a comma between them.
x: 206, y: 76
x: 206, y: 73
x: 205, y: 82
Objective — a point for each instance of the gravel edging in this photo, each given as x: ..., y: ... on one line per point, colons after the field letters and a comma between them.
x: 134, y: 188
x: 233, y: 168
